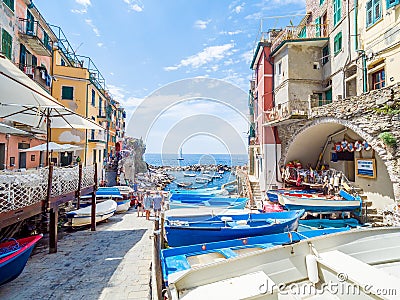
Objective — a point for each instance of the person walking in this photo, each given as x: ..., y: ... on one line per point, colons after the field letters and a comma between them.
x: 158, y: 201
x: 147, y: 202
x: 139, y: 203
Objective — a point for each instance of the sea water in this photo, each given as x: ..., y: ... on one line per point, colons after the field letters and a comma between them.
x: 157, y: 159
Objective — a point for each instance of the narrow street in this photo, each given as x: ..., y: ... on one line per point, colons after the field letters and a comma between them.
x: 112, y: 263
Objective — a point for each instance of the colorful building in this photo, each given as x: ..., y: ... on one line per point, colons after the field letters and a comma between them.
x: 27, y: 41
x: 325, y: 70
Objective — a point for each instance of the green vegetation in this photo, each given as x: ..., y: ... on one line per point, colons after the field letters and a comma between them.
x: 389, y: 110
x: 388, y: 139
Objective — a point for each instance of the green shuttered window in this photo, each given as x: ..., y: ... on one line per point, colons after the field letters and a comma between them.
x: 337, y: 11
x: 6, y: 43
x: 9, y: 3
x: 337, y: 44
x: 391, y: 3
x: 67, y: 93
x: 374, y: 11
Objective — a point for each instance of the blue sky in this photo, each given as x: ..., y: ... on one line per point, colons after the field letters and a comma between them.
x: 140, y: 46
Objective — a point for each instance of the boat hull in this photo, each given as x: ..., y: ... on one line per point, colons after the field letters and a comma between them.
x: 318, y: 204
x: 181, y: 232
x: 123, y: 206
x: 12, y: 265
x: 183, y: 258
x: 82, y: 217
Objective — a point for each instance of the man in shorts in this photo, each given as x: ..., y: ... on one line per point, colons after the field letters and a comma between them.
x: 139, y: 203
x: 157, y: 203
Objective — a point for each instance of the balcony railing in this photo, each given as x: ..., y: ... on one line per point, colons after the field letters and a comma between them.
x: 34, y: 35
x: 38, y: 74
x: 94, y: 74
x: 65, y: 47
x: 98, y: 136
x: 289, y: 110
x: 306, y: 31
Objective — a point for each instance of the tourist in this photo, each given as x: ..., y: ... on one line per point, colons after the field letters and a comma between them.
x: 139, y: 204
x: 147, y: 202
x: 157, y: 203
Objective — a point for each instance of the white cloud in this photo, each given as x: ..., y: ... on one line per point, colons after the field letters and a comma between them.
x: 209, y: 54
x: 94, y: 28
x: 79, y: 11
x: 239, y: 8
x: 84, y: 3
x: 200, y: 24
x: 100, y: 45
x: 231, y: 32
x: 134, y: 5
x: 247, y: 56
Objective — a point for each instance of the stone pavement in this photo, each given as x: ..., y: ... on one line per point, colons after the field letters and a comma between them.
x: 113, y: 262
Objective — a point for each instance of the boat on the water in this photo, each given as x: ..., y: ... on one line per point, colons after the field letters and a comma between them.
x: 82, y: 216
x: 183, y: 258
x: 202, y: 180
x: 181, y: 231
x: 344, y: 202
x: 356, y: 264
x: 14, y: 254
x: 184, y: 184
x: 189, y: 174
x: 233, y: 203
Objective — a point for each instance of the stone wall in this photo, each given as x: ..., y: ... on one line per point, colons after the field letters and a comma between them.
x: 367, y: 115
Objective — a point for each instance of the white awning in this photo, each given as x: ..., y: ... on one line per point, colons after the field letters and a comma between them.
x: 52, y: 147
x: 24, y: 101
x: 12, y: 130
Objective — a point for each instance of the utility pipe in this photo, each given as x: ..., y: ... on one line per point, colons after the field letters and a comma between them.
x: 355, y: 25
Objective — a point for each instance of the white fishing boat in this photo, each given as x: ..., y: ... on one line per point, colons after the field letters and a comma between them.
x: 189, y: 174
x: 357, y: 264
x: 201, y: 180
x: 82, y: 216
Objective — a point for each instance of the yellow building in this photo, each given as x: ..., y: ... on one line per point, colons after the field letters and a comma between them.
x: 79, y: 86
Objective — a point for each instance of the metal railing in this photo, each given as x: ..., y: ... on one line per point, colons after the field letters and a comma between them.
x: 34, y: 29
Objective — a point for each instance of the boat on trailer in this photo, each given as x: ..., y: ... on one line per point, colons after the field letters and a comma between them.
x: 181, y: 231
x: 358, y: 264
x: 14, y: 254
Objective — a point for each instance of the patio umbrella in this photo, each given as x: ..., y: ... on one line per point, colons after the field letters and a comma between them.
x: 11, y: 130
x: 24, y: 101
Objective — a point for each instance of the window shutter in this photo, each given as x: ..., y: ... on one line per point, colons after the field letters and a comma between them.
x: 318, y: 27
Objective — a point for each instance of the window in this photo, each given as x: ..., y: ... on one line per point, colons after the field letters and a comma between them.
x: 9, y: 3
x: 325, y: 54
x: 337, y: 44
x: 62, y: 63
x: 321, y: 2
x: 318, y: 27
x: 33, y: 157
x: 328, y: 96
x: 67, y: 93
x: 391, y: 3
x: 279, y: 69
x: 337, y: 11
x: 378, y: 79
x: 12, y: 161
x: 374, y: 11
x: 6, y: 44
x: 100, y: 107
x: 92, y: 133
x: 94, y: 155
x: 93, y: 98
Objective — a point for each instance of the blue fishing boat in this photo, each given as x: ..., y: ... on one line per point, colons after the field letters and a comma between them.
x: 235, y: 203
x: 329, y: 223
x: 181, y: 231
x: 13, y: 256
x: 200, y: 192
x: 183, y: 258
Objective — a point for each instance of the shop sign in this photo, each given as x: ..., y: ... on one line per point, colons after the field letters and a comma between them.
x: 366, y: 167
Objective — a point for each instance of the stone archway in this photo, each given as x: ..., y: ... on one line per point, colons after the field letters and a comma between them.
x: 391, y: 160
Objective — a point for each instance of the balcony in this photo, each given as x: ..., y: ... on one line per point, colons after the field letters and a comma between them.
x: 38, y: 74
x: 306, y: 32
x: 98, y: 136
x: 33, y: 35
x: 94, y: 74
x: 287, y: 112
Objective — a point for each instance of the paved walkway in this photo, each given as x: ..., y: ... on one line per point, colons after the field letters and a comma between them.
x: 111, y: 263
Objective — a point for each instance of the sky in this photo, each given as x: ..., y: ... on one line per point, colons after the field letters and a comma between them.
x: 142, y: 46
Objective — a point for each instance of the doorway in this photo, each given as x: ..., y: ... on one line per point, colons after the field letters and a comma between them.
x: 2, y: 156
x: 22, y: 155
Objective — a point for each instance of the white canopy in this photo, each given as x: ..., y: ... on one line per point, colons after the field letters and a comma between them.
x: 24, y: 101
x: 52, y: 147
x: 11, y: 130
